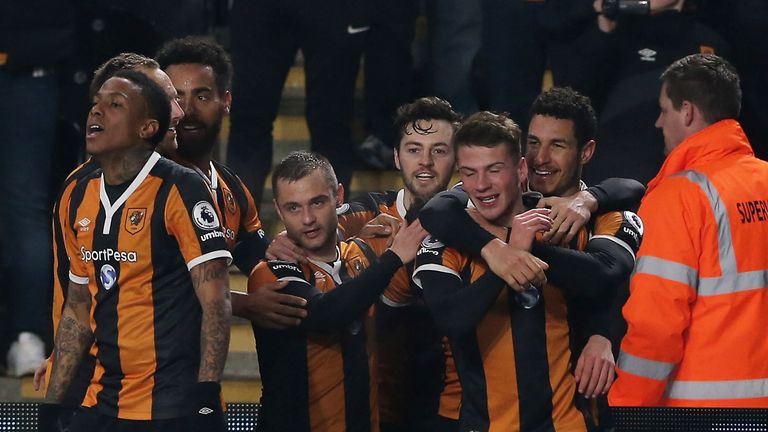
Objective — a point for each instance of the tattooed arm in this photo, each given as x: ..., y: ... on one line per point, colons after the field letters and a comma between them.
x: 73, y: 338
x: 211, y: 282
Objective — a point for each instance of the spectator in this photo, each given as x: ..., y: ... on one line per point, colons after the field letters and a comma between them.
x: 33, y: 40
x: 266, y: 36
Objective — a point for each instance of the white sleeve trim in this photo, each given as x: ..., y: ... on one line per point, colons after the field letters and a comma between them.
x: 210, y: 256
x: 391, y: 303
x: 431, y: 267
x: 78, y: 279
x: 618, y: 241
x: 292, y: 279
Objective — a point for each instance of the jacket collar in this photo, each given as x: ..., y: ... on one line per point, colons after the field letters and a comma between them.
x: 714, y: 142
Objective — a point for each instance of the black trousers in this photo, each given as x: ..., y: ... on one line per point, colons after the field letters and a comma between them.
x: 90, y: 420
x: 266, y: 35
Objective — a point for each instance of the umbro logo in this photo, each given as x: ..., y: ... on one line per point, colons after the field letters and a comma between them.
x: 647, y: 54
x: 84, y: 222
x: 205, y: 411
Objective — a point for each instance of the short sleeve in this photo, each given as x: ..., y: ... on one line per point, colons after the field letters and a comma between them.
x: 433, y: 255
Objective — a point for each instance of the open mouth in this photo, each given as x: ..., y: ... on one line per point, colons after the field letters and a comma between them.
x: 541, y: 172
x: 313, y: 233
x: 93, y: 129
x: 488, y: 200
x: 425, y: 176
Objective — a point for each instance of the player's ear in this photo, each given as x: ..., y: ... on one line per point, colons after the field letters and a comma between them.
x: 522, y: 170
x: 587, y: 152
x: 148, y: 129
x: 339, y: 195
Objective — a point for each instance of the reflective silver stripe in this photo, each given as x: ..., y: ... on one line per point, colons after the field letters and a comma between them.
x: 669, y: 270
x: 643, y: 367
x: 708, y: 390
x: 724, y: 238
x: 732, y: 283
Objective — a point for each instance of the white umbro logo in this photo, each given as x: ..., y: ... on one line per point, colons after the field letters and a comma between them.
x: 355, y: 30
x: 205, y: 411
x: 647, y: 54
x: 84, y: 222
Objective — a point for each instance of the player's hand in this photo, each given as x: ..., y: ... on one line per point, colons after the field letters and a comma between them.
x: 568, y: 215
x: 595, y: 368
x: 282, y: 248
x: 38, y: 381
x: 518, y: 268
x: 271, y: 309
x: 407, y: 241
x: 383, y: 225
x: 526, y: 225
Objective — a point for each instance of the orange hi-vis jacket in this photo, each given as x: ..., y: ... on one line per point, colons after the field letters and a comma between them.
x: 697, y: 312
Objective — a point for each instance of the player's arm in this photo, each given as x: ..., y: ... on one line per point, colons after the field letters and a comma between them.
x: 456, y: 309
x: 444, y: 217
x: 251, y: 243
x: 251, y: 247
x: 211, y: 282
x: 334, y: 309
x: 73, y: 338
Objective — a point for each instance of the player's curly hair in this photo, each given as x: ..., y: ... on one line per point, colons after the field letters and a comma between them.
x: 202, y: 50
x: 567, y: 104
x: 425, y: 108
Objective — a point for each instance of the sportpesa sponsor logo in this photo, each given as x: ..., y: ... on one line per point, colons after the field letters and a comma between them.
x: 108, y: 254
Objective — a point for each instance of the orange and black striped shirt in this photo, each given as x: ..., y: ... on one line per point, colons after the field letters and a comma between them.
x: 134, y: 248
x: 240, y: 218
x: 76, y: 391
x: 411, y: 364
x: 513, y: 363
x: 321, y: 376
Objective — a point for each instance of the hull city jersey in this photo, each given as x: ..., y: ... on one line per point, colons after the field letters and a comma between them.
x: 322, y: 379
x: 240, y: 218
x: 76, y: 391
x: 515, y: 368
x: 134, y: 251
x: 409, y: 347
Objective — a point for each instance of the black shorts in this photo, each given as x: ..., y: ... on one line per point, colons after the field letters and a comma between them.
x: 90, y: 420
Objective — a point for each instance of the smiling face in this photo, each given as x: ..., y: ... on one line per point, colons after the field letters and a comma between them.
x: 307, y: 207
x: 554, y: 159
x: 491, y: 178
x: 204, y: 107
x: 117, y: 118
x: 425, y: 158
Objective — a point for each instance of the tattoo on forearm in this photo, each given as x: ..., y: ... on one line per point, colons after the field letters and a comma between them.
x: 214, y: 340
x: 210, y: 280
x: 72, y: 340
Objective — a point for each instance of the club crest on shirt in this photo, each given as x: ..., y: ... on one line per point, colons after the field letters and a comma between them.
x: 229, y: 201
x: 134, y: 219
x: 205, y: 216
